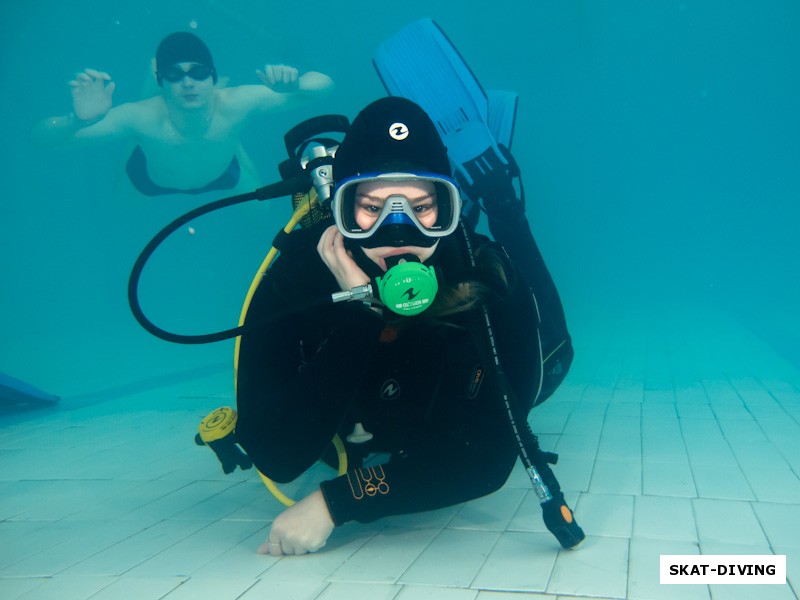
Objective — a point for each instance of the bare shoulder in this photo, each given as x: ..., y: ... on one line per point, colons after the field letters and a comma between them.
x: 142, y: 115
x: 149, y: 108
x: 242, y: 100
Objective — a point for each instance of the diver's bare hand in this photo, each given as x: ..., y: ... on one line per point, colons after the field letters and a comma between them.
x: 301, y: 528
x: 91, y: 94
x: 280, y: 78
x: 339, y: 260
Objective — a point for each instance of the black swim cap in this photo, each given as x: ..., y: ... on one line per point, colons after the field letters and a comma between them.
x: 391, y: 134
x: 183, y: 46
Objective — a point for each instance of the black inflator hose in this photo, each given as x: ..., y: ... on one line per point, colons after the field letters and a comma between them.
x: 557, y: 516
x: 275, y: 190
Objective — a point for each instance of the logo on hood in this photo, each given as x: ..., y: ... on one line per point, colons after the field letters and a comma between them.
x: 398, y: 131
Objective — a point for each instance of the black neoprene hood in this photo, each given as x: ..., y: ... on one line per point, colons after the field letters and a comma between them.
x: 391, y: 134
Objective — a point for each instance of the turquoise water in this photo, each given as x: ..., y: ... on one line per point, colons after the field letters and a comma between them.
x: 659, y: 142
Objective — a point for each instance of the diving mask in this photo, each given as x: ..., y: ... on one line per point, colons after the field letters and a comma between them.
x: 396, y: 209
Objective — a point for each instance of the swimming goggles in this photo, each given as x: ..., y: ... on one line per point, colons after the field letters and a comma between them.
x: 361, y: 209
x: 197, y: 71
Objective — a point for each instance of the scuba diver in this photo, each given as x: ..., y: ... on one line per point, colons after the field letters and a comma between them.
x: 386, y: 320
x: 187, y: 137
x: 421, y: 378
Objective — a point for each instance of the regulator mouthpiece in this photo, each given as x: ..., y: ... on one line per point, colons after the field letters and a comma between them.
x: 408, y: 288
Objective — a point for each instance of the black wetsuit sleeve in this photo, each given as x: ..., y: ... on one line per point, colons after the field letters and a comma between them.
x: 291, y: 398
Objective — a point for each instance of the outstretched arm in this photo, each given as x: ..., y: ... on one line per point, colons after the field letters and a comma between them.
x: 92, y: 116
x: 284, y: 79
x: 283, y: 87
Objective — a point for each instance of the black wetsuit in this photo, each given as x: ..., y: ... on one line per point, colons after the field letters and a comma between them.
x: 424, y: 390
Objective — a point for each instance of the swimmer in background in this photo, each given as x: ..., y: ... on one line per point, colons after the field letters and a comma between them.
x: 188, y: 137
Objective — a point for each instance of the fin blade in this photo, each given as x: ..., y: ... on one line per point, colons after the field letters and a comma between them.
x: 420, y: 63
x: 502, y: 115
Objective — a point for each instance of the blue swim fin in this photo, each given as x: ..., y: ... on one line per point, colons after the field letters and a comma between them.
x: 421, y: 64
x: 502, y: 115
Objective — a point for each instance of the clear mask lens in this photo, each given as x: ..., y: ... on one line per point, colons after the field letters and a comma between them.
x: 364, y: 204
